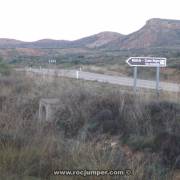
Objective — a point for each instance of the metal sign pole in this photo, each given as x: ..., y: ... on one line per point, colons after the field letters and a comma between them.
x: 157, y: 79
x: 135, y: 78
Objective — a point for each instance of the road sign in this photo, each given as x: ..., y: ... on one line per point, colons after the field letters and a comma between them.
x: 52, y: 61
x: 147, y: 61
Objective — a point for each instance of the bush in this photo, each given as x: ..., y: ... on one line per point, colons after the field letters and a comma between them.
x: 4, y: 68
x: 91, y: 124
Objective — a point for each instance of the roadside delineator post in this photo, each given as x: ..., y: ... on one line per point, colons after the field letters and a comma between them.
x: 77, y: 74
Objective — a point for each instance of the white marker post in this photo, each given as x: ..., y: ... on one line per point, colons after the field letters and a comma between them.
x: 77, y: 74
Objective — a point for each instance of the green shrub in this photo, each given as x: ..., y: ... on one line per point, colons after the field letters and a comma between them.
x: 4, y: 68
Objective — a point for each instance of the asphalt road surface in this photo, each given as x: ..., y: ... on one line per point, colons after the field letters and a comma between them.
x: 124, y: 81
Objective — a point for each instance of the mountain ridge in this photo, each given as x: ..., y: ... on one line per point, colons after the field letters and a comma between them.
x: 155, y: 33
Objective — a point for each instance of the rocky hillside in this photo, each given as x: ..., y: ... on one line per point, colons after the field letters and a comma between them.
x: 155, y: 33
x: 158, y: 37
x: 9, y: 43
x: 93, y: 41
x: 98, y: 40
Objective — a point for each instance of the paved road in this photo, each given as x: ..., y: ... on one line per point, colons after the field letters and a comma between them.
x: 125, y: 81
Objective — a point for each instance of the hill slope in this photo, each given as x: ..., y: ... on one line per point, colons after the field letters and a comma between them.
x: 158, y: 37
x: 155, y: 33
x: 9, y: 43
x: 98, y: 40
x: 93, y: 41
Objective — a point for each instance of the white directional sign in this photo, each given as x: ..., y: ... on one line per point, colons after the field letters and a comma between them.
x: 52, y: 61
x: 147, y: 61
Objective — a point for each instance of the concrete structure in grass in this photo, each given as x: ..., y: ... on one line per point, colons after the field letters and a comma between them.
x: 47, y: 109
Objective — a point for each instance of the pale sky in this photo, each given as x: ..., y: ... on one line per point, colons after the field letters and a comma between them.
x: 31, y: 20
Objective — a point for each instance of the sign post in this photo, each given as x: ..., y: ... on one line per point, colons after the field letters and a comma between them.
x: 147, y: 62
x: 135, y: 78
x: 157, y: 80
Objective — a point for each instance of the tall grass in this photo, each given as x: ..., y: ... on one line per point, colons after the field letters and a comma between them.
x: 96, y: 127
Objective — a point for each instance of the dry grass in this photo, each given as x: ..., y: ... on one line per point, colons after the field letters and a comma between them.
x: 93, y: 125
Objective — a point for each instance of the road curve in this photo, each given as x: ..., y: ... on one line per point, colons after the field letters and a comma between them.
x: 124, y: 81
